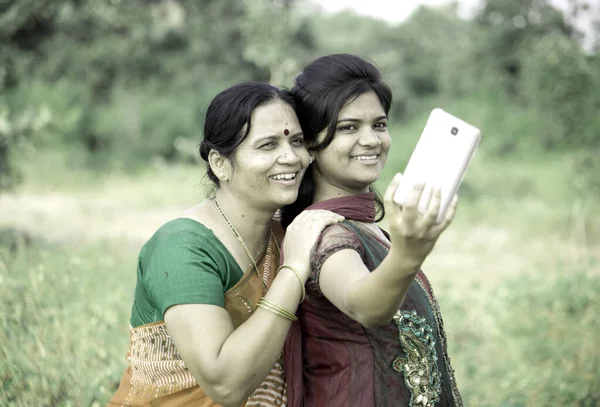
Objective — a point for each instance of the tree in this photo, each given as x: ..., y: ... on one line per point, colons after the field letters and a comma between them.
x: 277, y: 37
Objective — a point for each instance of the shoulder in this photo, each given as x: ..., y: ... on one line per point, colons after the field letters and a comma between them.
x: 182, y: 226
x: 181, y: 230
x: 337, y: 233
x: 333, y: 239
x: 180, y: 238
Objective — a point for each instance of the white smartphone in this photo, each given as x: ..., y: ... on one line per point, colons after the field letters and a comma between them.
x: 440, y: 159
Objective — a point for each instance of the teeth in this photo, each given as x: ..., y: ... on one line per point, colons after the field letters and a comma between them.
x: 365, y: 157
x: 284, y: 176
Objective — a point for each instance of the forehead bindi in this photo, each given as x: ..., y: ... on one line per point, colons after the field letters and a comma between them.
x: 275, y: 119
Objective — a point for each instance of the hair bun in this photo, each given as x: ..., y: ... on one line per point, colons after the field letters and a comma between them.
x: 204, y: 150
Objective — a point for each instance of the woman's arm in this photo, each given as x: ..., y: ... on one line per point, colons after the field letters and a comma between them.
x: 372, y: 298
x: 229, y: 364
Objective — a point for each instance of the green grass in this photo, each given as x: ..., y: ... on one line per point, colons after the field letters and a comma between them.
x: 526, y: 341
x: 63, y: 323
x: 529, y: 341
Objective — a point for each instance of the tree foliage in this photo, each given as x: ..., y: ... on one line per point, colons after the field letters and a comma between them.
x: 122, y: 82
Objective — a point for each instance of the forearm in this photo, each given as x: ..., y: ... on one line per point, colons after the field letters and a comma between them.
x: 250, y: 351
x: 374, y: 299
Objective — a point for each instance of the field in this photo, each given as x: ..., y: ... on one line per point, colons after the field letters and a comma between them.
x: 517, y: 276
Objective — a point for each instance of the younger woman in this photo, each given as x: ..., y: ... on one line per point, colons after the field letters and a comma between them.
x: 371, y: 330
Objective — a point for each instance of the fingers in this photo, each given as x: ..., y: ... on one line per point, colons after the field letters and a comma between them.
x: 388, y: 197
x: 433, y: 208
x: 322, y: 222
x: 410, y: 208
x: 323, y: 218
x: 438, y: 229
x: 319, y: 218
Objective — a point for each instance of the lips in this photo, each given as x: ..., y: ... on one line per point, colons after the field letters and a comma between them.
x: 288, y: 176
x: 365, y: 157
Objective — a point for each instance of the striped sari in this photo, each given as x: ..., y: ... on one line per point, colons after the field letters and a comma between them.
x: 157, y: 376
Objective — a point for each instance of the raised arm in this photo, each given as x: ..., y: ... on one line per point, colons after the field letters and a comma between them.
x: 229, y: 364
x: 372, y: 298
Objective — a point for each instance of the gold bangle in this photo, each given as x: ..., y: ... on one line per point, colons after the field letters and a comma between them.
x: 276, y: 309
x: 284, y: 314
x: 299, y: 279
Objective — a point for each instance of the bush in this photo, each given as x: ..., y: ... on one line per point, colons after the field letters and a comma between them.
x: 129, y: 130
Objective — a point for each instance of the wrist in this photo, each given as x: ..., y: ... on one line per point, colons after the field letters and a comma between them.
x: 300, y: 268
x: 284, y: 268
x: 405, y: 263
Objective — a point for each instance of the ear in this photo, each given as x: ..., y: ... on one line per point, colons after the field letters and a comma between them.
x: 220, y: 165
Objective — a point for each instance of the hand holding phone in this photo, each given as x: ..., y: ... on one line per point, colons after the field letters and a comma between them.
x: 440, y: 159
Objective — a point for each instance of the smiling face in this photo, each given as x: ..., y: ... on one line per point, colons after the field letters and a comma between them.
x: 267, y: 167
x: 358, y: 151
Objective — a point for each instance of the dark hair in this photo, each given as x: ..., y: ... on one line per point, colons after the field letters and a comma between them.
x: 229, y: 117
x: 321, y: 90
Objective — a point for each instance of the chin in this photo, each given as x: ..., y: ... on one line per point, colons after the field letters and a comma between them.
x: 285, y: 199
x: 365, y: 182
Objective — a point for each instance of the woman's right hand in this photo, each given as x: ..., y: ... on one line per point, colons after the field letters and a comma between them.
x: 414, y: 235
x: 302, y: 234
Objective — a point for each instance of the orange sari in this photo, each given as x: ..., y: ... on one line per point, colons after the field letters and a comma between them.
x: 157, y: 376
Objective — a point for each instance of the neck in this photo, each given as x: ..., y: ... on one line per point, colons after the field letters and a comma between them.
x: 252, y: 223
x: 325, y: 190
x: 358, y: 207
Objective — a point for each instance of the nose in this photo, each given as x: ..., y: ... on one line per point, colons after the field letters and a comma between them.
x: 370, y: 138
x: 288, y: 156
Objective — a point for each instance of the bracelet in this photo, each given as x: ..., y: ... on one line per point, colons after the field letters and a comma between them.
x: 299, y: 279
x: 276, y: 309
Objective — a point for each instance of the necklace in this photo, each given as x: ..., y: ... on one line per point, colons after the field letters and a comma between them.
x: 242, y: 243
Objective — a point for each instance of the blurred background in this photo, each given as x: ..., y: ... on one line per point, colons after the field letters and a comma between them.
x: 101, y: 112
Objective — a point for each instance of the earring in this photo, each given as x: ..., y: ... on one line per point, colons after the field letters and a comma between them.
x: 310, y: 160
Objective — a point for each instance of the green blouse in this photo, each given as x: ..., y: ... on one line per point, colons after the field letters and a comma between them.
x: 182, y: 263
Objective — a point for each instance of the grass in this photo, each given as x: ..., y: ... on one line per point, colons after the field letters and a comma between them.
x: 517, y: 275
x: 63, y: 324
x: 528, y: 340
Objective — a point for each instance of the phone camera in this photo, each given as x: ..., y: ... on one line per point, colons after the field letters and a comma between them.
x: 454, y: 131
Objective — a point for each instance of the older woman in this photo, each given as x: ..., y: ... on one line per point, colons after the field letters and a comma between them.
x: 212, y: 308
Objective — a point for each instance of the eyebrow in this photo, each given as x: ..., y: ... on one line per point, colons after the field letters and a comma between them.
x: 276, y: 136
x: 358, y: 120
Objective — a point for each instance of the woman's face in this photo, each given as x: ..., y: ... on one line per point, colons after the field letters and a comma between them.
x: 269, y: 164
x: 358, y: 152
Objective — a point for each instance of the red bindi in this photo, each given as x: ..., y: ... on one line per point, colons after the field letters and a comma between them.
x: 286, y: 132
